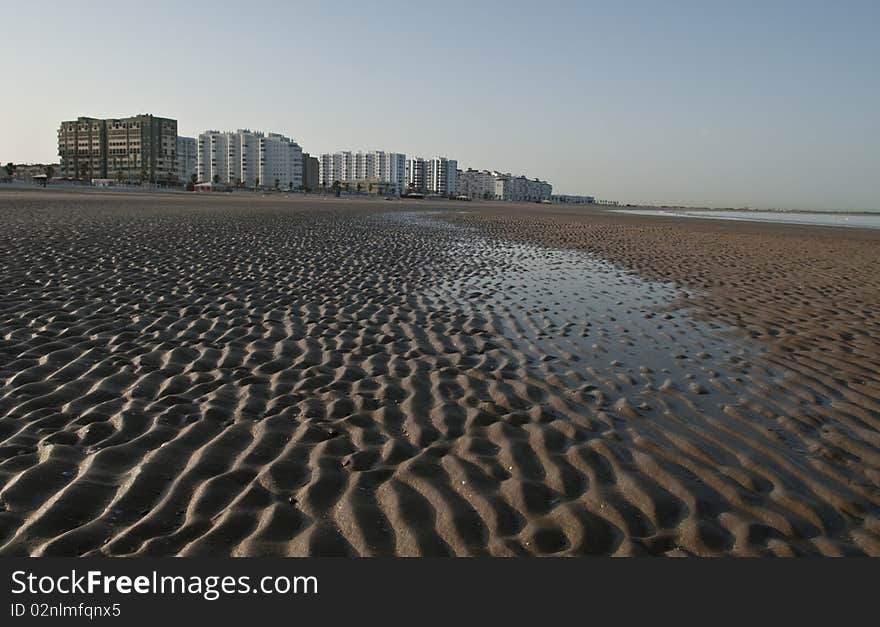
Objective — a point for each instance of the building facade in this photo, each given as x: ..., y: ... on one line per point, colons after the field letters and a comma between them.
x: 567, y: 199
x: 246, y: 158
x: 32, y: 172
x: 280, y: 162
x: 142, y: 148
x: 416, y: 169
x: 476, y: 184
x: 349, y: 167
x: 521, y: 189
x: 187, y: 158
x: 431, y: 176
x: 489, y: 184
x: 82, y: 147
x: 311, y: 172
x: 440, y: 176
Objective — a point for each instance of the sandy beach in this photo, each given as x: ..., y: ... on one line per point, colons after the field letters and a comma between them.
x: 283, y: 375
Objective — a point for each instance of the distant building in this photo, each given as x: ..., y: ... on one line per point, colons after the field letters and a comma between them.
x: 187, y: 158
x: 416, y: 175
x: 249, y: 159
x: 141, y: 148
x: 565, y: 199
x: 377, y: 165
x: 476, y: 184
x: 82, y: 146
x: 31, y: 172
x: 440, y: 176
x: 490, y: 184
x: 311, y: 171
x: 372, y: 187
x: 521, y: 189
x: 431, y: 176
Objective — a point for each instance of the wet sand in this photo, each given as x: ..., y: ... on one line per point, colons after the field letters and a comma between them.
x: 270, y: 375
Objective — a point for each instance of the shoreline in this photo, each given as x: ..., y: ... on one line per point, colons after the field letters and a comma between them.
x: 622, y: 208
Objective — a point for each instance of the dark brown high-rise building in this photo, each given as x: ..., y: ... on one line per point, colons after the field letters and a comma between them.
x: 310, y: 172
x: 138, y: 149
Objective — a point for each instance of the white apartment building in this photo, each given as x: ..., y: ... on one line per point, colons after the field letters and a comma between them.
x: 486, y: 184
x: 338, y: 166
x: 391, y: 167
x: 416, y: 174
x: 432, y: 176
x: 347, y: 167
x: 440, y: 176
x: 250, y: 159
x: 211, y: 158
x: 521, y: 189
x: 187, y: 158
x: 477, y: 184
x: 281, y: 162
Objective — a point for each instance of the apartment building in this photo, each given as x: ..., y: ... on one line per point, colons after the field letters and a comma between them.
x: 388, y: 167
x: 141, y: 148
x: 187, y: 158
x: 521, y: 189
x: 476, y: 184
x: 82, y: 147
x: 280, y: 162
x: 432, y: 176
x: 416, y: 169
x: 350, y: 167
x: 311, y: 172
x: 246, y: 158
x: 490, y: 184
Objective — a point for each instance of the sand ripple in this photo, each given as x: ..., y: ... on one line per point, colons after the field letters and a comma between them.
x: 224, y: 379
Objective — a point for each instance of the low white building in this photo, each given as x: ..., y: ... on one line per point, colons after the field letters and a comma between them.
x: 521, y: 189
x: 187, y: 158
x: 490, y: 184
x: 249, y: 159
x: 568, y: 199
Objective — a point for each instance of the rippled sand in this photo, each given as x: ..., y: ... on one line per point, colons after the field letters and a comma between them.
x: 241, y: 375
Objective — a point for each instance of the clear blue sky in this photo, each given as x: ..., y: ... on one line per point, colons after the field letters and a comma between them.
x: 698, y: 102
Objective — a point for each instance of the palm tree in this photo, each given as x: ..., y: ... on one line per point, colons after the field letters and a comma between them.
x: 10, y: 169
x: 50, y: 171
x: 277, y: 183
x: 216, y: 179
x: 194, y: 179
x: 337, y: 188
